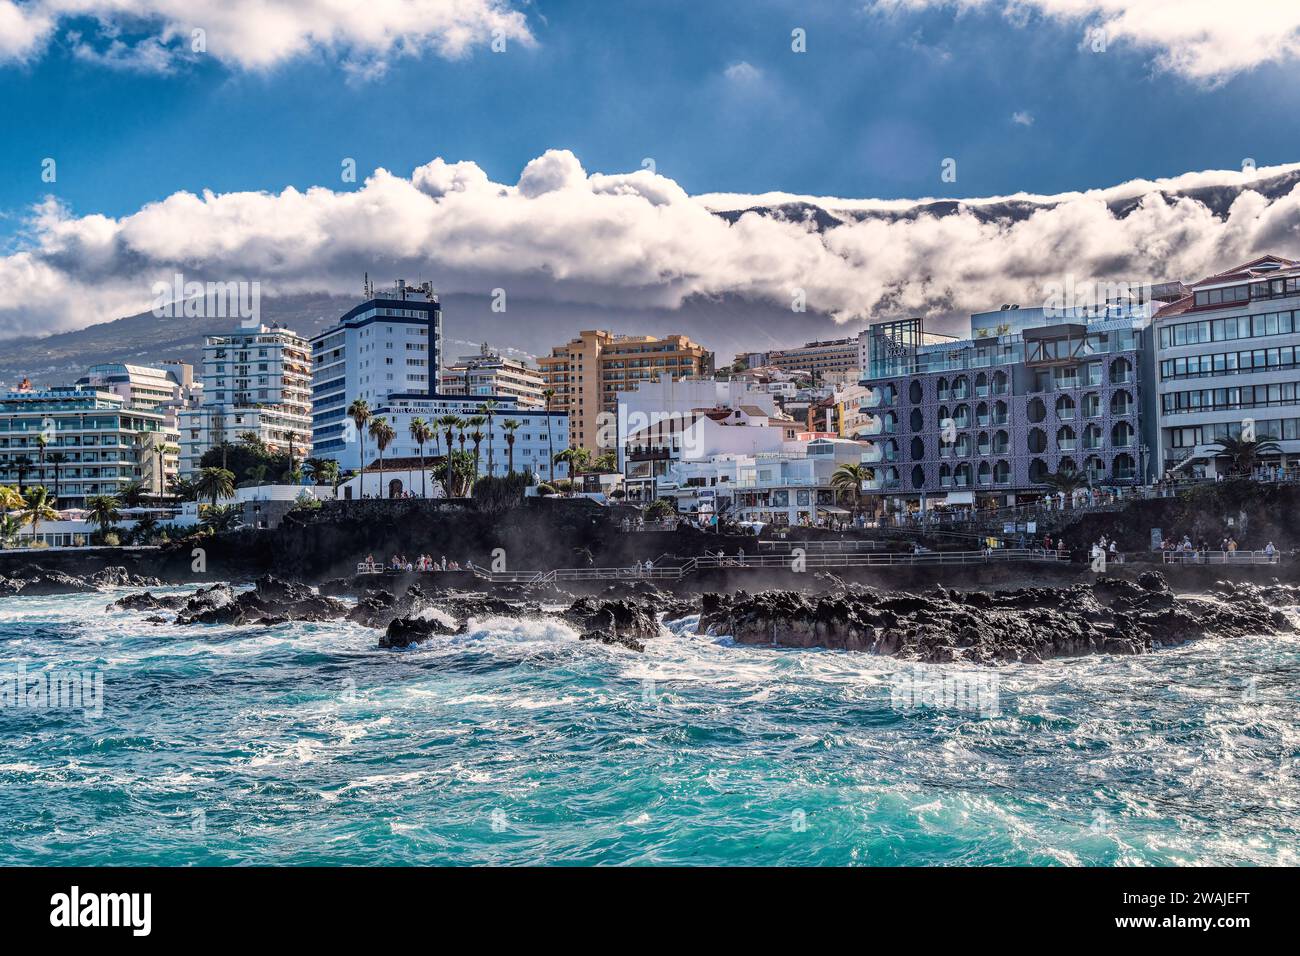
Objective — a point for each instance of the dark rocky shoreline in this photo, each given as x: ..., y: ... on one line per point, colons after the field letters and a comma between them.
x: 1110, y: 615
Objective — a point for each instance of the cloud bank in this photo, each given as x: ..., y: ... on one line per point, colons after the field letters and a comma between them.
x: 1204, y: 40
x: 255, y: 34
x: 562, y: 234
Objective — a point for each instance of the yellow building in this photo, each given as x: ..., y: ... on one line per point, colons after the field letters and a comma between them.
x: 587, y: 373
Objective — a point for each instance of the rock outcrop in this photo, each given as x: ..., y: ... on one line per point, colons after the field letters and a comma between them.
x: 1111, y: 616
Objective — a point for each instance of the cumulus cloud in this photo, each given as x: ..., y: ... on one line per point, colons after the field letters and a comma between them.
x: 564, y: 235
x: 1022, y: 118
x: 1204, y: 40
x: 256, y: 34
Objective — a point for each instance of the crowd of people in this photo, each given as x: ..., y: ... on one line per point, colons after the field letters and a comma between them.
x: 1200, y: 549
x: 423, y: 563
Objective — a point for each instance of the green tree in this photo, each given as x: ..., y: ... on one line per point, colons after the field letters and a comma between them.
x: 510, y: 426
x: 359, y: 412
x: 37, y: 508
x: 134, y: 494
x: 1244, y: 455
x: 848, y: 479
x: 1066, y: 481
x: 103, y: 510
x: 11, y: 527
x: 22, y: 464
x: 215, y: 483
x: 383, y: 434
x: 449, y: 424
x: 475, y: 423
x: 487, y: 410
x: 420, y: 434
x: 221, y: 518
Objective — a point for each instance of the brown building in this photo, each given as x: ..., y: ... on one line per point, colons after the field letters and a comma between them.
x: 589, y: 371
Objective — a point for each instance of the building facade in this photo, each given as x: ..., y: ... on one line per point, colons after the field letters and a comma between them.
x: 490, y: 374
x: 254, y: 380
x: 95, y: 443
x: 1031, y: 393
x: 387, y: 351
x: 588, y: 372
x: 390, y: 344
x: 1228, y: 364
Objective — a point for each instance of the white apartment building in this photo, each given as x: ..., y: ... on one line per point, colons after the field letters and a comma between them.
x: 168, y: 389
x: 491, y: 375
x: 95, y: 443
x: 1228, y: 362
x: 387, y: 351
x: 785, y: 489
x: 253, y: 380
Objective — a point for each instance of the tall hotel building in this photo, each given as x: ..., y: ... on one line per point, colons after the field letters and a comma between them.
x: 254, y: 380
x: 588, y: 372
x: 1032, y: 392
x: 1228, y: 358
x: 388, y: 351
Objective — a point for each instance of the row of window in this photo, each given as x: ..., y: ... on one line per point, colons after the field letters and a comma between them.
x: 1229, y: 363
x: 1227, y: 330
x: 1219, y: 399
x: 1286, y: 429
x: 1256, y: 290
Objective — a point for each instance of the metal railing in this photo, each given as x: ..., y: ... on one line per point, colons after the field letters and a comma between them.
x: 806, y: 562
x: 1221, y: 557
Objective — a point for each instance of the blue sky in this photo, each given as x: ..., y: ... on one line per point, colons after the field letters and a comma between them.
x: 523, y: 169
x: 869, y: 111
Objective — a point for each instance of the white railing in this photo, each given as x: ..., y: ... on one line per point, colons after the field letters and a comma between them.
x: 1221, y: 557
x: 370, y: 567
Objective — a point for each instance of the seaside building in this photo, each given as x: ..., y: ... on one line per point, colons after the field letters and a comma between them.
x: 253, y: 380
x: 490, y: 374
x: 589, y: 371
x: 786, y: 488
x: 387, y: 351
x: 1031, y: 393
x: 1227, y: 357
x: 168, y: 389
x: 103, y: 442
x: 833, y: 361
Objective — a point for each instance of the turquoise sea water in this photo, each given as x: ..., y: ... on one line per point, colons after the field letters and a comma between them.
x: 517, y: 744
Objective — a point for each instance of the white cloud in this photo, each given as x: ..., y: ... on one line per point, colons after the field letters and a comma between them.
x: 1022, y: 118
x: 635, y: 239
x: 743, y: 73
x: 1207, y: 40
x: 258, y: 34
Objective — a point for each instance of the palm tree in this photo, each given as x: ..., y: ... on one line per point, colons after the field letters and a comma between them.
x: 359, y: 412
x: 38, y: 508
x: 144, y: 529
x: 57, y: 459
x: 476, y: 422
x: 1066, y: 481
x: 292, y: 469
x: 1244, y: 455
x: 223, y: 518
x: 103, y: 511
x: 849, y: 478
x: 184, y: 489
x: 420, y: 433
x: 606, y: 463
x: 383, y: 434
x: 549, y: 395
x: 487, y: 410
x: 41, y: 442
x: 510, y: 425
x: 215, y: 483
x: 448, y: 423
x: 10, y: 500
x: 578, y: 460
x: 23, y: 464
x: 134, y: 494
x: 10, y: 528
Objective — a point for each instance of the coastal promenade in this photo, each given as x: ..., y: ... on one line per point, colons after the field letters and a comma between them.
x: 673, y: 568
